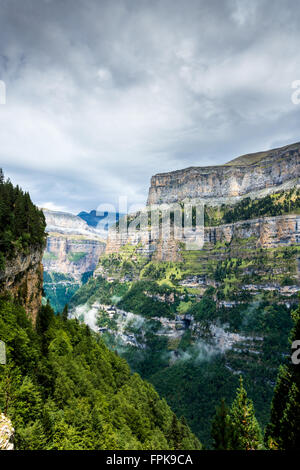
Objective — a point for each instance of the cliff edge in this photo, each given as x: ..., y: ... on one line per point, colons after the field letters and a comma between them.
x: 253, y: 175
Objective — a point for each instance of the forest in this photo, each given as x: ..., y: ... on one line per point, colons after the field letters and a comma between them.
x: 22, y: 224
x: 63, y: 389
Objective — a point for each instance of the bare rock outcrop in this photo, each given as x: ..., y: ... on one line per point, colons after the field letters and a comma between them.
x: 254, y: 175
x: 267, y: 232
x: 23, y: 278
x: 6, y: 433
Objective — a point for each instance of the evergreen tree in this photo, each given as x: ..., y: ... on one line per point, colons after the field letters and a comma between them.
x: 246, y: 427
x: 283, y: 431
x: 222, y: 430
x: 65, y: 312
x: 175, y: 434
x: 1, y: 176
x: 63, y: 389
x: 22, y: 224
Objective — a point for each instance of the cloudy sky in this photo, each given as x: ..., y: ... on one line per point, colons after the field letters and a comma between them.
x: 100, y: 95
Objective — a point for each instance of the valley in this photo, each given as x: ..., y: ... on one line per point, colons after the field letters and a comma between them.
x: 185, y: 318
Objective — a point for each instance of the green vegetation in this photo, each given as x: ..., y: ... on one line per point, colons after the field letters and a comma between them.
x: 280, y: 203
x: 283, y: 202
x: 59, y: 289
x: 63, y: 389
x: 237, y: 428
x: 75, y: 257
x: 150, y: 300
x: 283, y: 431
x: 100, y: 290
x: 22, y: 224
x: 184, y: 382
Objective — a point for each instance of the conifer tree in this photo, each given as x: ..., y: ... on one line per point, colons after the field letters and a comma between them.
x: 174, y: 433
x: 246, y: 427
x: 65, y: 312
x: 283, y: 431
x: 222, y: 430
x: 1, y: 176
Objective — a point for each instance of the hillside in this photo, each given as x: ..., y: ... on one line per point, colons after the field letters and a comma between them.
x: 61, y: 388
x: 186, y: 318
x: 22, y: 241
x: 254, y: 158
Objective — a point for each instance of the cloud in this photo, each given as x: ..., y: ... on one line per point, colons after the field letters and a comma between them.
x: 102, y: 95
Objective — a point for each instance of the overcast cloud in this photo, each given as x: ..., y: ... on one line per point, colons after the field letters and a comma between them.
x: 101, y: 94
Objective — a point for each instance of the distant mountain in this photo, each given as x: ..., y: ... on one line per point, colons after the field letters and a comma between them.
x: 93, y: 218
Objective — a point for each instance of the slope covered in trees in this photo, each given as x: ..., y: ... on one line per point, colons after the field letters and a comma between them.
x: 283, y: 431
x: 63, y: 389
x: 22, y: 224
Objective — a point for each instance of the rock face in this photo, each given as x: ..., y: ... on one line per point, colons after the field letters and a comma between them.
x: 65, y: 223
x: 74, y: 256
x: 72, y: 246
x: 269, y: 232
x: 72, y: 251
x: 6, y: 433
x: 23, y: 278
x: 247, y: 175
x: 254, y: 175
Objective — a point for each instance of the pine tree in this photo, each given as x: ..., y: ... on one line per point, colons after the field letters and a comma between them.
x: 174, y: 434
x: 65, y: 312
x: 283, y: 431
x: 222, y: 430
x: 246, y: 427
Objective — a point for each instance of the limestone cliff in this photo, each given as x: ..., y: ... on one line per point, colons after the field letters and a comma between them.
x: 268, y: 232
x: 72, y: 246
x: 72, y: 251
x: 23, y: 278
x: 251, y: 175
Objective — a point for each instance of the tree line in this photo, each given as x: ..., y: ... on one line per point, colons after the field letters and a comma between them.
x: 22, y: 224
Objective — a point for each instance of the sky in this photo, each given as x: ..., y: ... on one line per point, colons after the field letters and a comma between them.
x: 101, y: 95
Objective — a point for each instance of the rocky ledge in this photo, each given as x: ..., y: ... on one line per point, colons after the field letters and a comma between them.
x: 251, y: 174
x: 23, y: 278
x: 6, y: 433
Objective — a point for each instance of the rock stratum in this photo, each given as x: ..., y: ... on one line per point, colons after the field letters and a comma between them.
x: 73, y: 249
x: 254, y: 174
x: 192, y: 319
x: 72, y: 246
x: 268, y: 232
x: 23, y: 278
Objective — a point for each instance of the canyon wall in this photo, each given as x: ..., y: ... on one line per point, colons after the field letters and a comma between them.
x: 72, y: 246
x: 269, y: 232
x: 72, y: 251
x: 252, y: 175
x: 23, y: 278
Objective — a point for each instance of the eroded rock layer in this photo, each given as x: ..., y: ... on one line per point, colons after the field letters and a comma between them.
x: 247, y: 175
x: 23, y: 278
